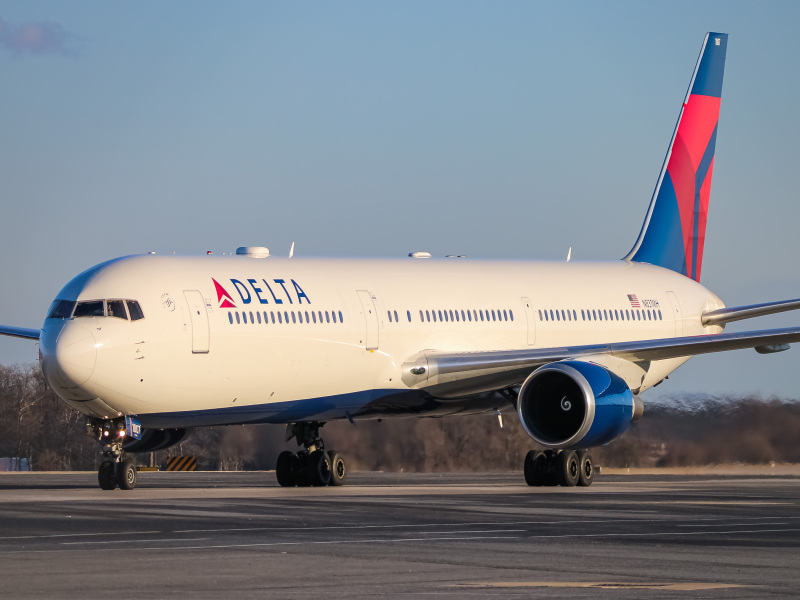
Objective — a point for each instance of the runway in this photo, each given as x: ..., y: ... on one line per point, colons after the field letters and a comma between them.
x: 211, y: 535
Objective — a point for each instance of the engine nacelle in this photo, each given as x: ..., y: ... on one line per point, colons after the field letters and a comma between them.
x: 154, y: 439
x: 575, y: 404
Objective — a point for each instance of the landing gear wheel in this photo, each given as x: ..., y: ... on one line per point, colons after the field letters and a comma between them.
x: 586, y: 473
x: 106, y: 475
x: 126, y: 474
x: 535, y: 468
x: 286, y: 469
x: 338, y: 468
x: 318, y: 468
x: 567, y: 468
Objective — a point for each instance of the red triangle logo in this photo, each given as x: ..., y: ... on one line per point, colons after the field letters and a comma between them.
x: 223, y: 297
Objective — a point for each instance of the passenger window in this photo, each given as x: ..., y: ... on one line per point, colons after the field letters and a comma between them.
x: 552, y: 316
x: 293, y: 319
x: 446, y: 318
x: 251, y: 317
x: 558, y: 316
x: 388, y: 312
x: 341, y: 318
x: 230, y: 317
x: 314, y: 316
x: 540, y: 314
x: 396, y: 320
x: 327, y: 317
x: 299, y: 316
x: 272, y: 316
x: 93, y: 308
x: 408, y: 314
x: 258, y: 315
x: 116, y: 308
x: 333, y: 315
x: 469, y: 316
x: 244, y: 317
x: 583, y: 315
x: 463, y: 318
x: 440, y: 317
x: 659, y: 314
x: 505, y: 315
x: 511, y: 314
x: 451, y: 316
x: 280, y: 318
x: 238, y: 318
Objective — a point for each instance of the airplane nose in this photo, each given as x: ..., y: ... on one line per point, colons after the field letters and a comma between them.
x: 69, y: 361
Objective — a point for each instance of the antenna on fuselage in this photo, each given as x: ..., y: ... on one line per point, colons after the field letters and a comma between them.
x: 569, y: 253
x: 291, y: 251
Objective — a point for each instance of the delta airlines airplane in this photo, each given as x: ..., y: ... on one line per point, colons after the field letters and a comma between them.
x: 151, y: 346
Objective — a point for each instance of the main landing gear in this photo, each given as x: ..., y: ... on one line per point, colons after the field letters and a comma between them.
x: 312, y: 465
x: 559, y: 467
x: 116, y: 469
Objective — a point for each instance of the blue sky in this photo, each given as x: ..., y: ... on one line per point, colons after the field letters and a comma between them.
x: 496, y: 130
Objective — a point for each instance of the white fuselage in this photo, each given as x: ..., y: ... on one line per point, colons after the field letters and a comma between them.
x: 285, y: 340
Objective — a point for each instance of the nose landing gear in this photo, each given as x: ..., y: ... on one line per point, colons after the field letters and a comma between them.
x: 312, y: 466
x: 116, y: 470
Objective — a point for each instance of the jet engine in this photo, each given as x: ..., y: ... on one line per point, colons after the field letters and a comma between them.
x: 154, y: 439
x: 576, y: 404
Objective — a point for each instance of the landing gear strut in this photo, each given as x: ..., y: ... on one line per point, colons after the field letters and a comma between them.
x: 559, y: 467
x: 116, y: 469
x: 312, y: 465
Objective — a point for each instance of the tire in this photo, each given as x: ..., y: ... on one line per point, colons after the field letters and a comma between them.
x: 318, y: 468
x: 106, y: 476
x: 535, y: 468
x: 338, y: 468
x: 586, y: 474
x: 568, y: 468
x: 126, y: 474
x: 286, y: 469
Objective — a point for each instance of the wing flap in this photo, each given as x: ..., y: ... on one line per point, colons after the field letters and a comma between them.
x: 20, y: 332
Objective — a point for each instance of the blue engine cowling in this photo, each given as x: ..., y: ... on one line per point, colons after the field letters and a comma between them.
x: 575, y: 404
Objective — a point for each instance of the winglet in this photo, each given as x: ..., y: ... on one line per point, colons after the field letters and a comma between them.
x: 673, y: 234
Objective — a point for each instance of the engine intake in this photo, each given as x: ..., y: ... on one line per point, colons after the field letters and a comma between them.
x: 575, y: 404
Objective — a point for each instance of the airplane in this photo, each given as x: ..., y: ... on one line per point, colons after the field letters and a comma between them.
x: 150, y: 346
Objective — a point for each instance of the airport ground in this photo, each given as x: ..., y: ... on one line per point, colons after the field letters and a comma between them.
x: 724, y: 533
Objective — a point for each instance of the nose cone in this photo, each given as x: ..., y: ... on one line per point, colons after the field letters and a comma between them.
x: 68, y: 355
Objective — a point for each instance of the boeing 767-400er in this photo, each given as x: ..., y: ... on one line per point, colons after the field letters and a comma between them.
x: 151, y: 346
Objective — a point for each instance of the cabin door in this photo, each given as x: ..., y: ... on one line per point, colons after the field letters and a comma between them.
x: 675, y: 310
x: 370, y: 310
x: 199, y: 317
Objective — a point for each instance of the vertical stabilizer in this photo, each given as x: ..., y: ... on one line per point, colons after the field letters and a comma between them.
x: 674, y: 230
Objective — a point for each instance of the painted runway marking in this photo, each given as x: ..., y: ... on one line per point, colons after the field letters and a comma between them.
x: 157, y: 541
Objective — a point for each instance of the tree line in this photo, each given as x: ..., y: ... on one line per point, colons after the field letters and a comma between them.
x: 39, y: 429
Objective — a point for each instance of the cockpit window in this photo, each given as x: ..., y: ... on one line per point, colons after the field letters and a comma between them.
x: 135, y: 310
x: 92, y: 308
x: 61, y: 309
x: 116, y: 308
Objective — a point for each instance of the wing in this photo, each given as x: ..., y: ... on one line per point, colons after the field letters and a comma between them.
x: 454, y: 374
x: 20, y: 332
x: 737, y: 313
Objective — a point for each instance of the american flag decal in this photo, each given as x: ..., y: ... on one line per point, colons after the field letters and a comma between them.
x: 634, y: 300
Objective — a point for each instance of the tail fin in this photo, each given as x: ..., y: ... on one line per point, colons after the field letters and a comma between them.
x: 674, y: 230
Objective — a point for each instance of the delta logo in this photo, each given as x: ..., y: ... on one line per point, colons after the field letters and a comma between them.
x: 223, y: 297
x: 279, y: 290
